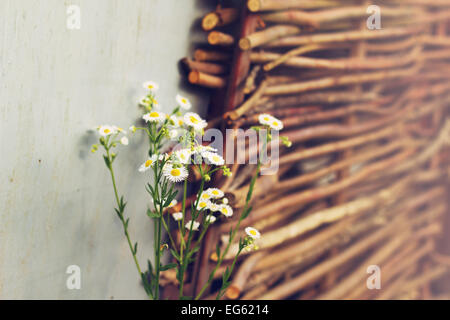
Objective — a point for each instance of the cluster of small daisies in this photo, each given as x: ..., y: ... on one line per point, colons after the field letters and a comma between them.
x: 209, y: 202
x: 174, y: 165
x: 108, y: 131
x: 272, y: 123
x: 174, y: 120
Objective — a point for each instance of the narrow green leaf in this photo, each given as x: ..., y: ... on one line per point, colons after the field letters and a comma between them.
x: 108, y: 164
x: 175, y: 254
x: 169, y: 266
x: 153, y: 215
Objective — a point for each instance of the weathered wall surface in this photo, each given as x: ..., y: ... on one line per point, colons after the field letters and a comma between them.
x: 56, y: 201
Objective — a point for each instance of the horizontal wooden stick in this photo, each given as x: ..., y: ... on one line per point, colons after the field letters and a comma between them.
x: 317, y: 18
x: 344, y: 36
x: 219, y: 18
x: 205, y: 67
x: 271, y: 5
x: 329, y: 97
x: 339, y: 64
x: 206, y: 80
x: 216, y: 38
x: 330, y: 82
x: 269, y: 34
x: 209, y: 55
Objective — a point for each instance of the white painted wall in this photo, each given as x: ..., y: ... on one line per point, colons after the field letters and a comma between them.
x: 56, y: 200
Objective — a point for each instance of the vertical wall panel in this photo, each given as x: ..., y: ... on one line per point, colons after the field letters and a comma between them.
x: 56, y: 201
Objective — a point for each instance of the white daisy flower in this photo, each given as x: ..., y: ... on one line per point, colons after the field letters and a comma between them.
x: 176, y: 121
x: 177, y: 216
x: 226, y: 210
x: 205, y: 195
x: 200, y: 150
x: 225, y: 201
x: 203, y: 204
x: 175, y: 174
x: 183, y: 102
x: 210, y: 219
x: 173, y: 203
x: 183, y: 156
x: 213, y: 207
x: 277, y: 124
x: 150, y: 85
x: 265, y: 119
x: 154, y: 116
x: 106, y: 130
x: 195, y: 121
x: 194, y: 224
x: 213, y: 158
x: 252, y: 233
x: 215, y: 193
x: 124, y: 141
x: 148, y: 163
x: 145, y: 101
x: 271, y: 121
x: 119, y: 129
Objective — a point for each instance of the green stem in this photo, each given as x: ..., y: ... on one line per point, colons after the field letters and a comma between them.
x: 183, y: 260
x: 221, y: 291
x: 121, y: 215
x: 233, y: 234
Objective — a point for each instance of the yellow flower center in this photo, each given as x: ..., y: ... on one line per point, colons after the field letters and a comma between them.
x: 275, y: 123
x: 150, y: 86
x: 202, y: 204
x: 154, y: 114
x: 175, y: 172
x: 216, y: 158
x: 205, y: 196
x: 184, y: 100
x: 266, y: 119
x: 224, y: 210
x: 180, y: 122
x: 215, y: 192
x: 148, y: 163
x: 107, y: 131
x: 253, y: 232
x: 194, y: 120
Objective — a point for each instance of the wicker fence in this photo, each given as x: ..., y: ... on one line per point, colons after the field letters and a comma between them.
x: 366, y: 180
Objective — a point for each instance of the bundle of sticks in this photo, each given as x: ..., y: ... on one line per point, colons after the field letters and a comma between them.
x: 366, y: 180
